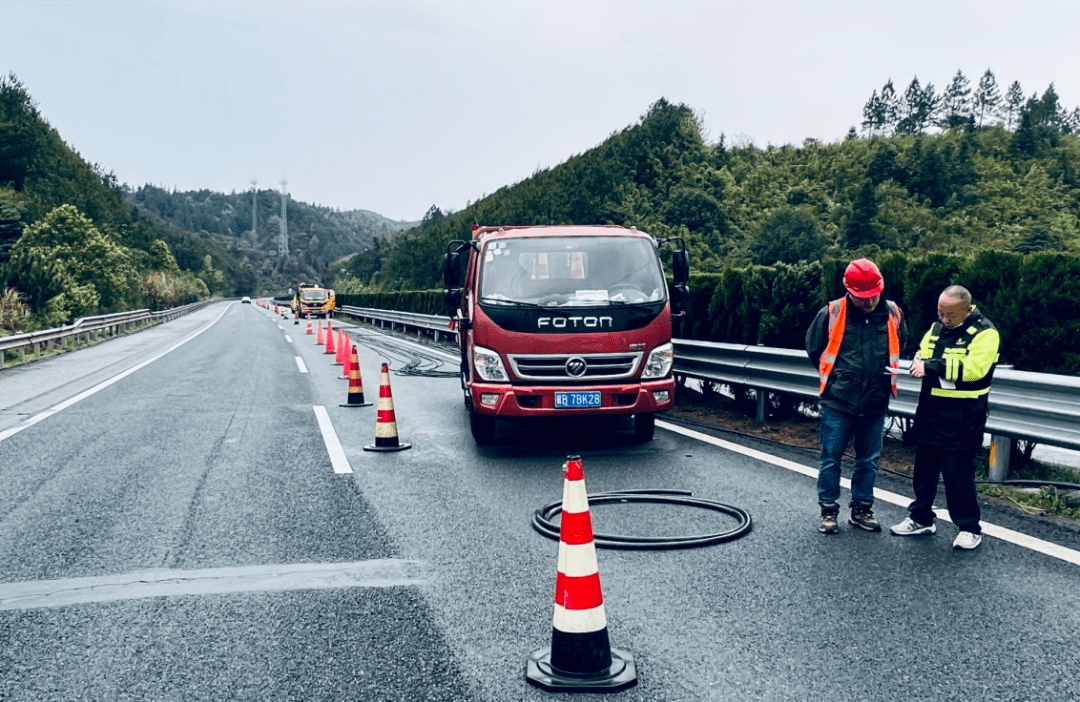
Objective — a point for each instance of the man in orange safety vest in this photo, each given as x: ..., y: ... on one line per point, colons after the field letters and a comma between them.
x: 855, y: 343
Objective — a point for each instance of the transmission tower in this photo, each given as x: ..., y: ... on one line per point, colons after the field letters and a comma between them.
x: 254, y: 208
x: 284, y: 223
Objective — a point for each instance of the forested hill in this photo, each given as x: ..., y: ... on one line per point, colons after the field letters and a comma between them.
x: 964, y: 188
x: 316, y: 235
x: 74, y: 242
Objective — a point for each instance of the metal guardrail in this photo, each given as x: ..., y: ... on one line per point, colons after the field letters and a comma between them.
x: 1039, y: 407
x: 86, y: 327
x: 435, y: 324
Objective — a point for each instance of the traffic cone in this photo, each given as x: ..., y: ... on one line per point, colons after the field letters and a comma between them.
x: 356, y: 385
x: 296, y: 317
x: 386, y: 436
x: 339, y: 359
x: 319, y: 341
x: 580, y: 658
x: 350, y: 349
x: 309, y: 329
x: 329, y: 339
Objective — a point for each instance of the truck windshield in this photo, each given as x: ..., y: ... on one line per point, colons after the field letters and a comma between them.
x: 313, y: 295
x: 571, y: 271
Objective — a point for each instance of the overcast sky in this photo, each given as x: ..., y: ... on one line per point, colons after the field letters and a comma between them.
x: 396, y: 105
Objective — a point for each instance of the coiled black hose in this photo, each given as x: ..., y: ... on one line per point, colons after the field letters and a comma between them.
x: 541, y: 520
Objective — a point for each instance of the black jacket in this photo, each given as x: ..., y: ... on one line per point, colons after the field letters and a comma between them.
x: 859, y: 383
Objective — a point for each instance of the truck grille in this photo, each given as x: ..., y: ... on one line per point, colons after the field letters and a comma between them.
x: 556, y: 367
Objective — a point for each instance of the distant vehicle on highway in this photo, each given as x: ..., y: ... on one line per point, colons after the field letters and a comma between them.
x: 245, y: 300
x: 564, y: 320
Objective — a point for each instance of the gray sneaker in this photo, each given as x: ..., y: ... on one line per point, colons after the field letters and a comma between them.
x: 909, y: 527
x: 829, y: 512
x: 966, y: 540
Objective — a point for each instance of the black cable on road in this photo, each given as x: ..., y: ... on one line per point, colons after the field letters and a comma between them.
x: 413, y: 361
x: 541, y: 520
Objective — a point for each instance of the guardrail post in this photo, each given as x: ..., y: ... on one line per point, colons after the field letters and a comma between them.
x: 37, y: 352
x: 1000, y: 452
x: 762, y: 404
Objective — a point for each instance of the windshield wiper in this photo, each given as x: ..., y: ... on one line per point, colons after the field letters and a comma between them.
x: 509, y: 303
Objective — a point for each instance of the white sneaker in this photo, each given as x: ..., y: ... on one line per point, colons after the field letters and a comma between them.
x: 967, y: 541
x: 910, y: 527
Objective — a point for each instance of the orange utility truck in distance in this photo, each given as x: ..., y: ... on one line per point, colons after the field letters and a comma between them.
x: 314, y: 300
x: 564, y: 320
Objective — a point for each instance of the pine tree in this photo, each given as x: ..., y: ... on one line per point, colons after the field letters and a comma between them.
x: 987, y: 96
x: 955, y: 103
x: 1010, y: 109
x: 918, y: 106
x: 873, y: 114
x: 890, y: 106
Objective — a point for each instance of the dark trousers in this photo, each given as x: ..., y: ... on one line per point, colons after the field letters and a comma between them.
x: 957, y: 469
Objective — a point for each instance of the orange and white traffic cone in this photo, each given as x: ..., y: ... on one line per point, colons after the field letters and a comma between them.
x: 356, y: 385
x: 309, y: 329
x: 329, y: 339
x: 295, y: 317
x: 580, y: 658
x: 386, y: 436
x: 339, y: 358
x: 319, y: 340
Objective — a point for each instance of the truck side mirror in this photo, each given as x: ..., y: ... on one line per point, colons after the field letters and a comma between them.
x: 452, y: 298
x: 680, y: 296
x: 452, y: 269
x: 680, y: 266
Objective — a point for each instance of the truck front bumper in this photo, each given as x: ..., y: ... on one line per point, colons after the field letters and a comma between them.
x: 506, y: 400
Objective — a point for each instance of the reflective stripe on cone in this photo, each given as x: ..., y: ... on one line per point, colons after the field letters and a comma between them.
x: 356, y: 386
x: 386, y: 433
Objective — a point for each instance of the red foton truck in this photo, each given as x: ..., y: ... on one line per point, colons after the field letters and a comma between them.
x: 564, y: 320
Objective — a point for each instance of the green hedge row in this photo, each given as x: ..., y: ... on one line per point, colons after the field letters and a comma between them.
x: 419, y: 301
x: 1033, y: 299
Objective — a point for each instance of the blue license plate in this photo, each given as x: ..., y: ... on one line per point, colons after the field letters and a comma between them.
x: 574, y: 400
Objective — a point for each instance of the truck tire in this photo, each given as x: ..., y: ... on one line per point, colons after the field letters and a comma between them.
x: 644, y: 426
x: 482, y: 426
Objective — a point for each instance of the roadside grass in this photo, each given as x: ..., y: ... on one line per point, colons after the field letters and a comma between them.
x: 1033, y: 500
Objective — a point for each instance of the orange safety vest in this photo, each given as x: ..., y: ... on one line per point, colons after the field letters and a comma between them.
x: 837, y: 320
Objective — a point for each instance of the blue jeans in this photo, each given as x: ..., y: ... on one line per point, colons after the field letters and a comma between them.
x: 837, y: 430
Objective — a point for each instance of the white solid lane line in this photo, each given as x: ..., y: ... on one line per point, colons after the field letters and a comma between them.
x: 8, y: 433
x: 333, y: 446
x: 1013, y: 537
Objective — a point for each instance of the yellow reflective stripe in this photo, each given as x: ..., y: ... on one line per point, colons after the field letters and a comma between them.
x: 941, y: 392
x: 982, y: 354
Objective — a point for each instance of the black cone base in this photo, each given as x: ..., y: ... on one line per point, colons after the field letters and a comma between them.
x: 620, y: 675
x: 355, y: 404
x: 399, y: 447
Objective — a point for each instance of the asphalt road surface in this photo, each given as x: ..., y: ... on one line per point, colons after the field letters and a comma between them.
x: 175, y: 524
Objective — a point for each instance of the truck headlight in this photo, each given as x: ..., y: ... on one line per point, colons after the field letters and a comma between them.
x: 488, y: 365
x: 660, y: 360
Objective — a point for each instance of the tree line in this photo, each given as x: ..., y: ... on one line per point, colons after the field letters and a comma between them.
x: 920, y: 107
